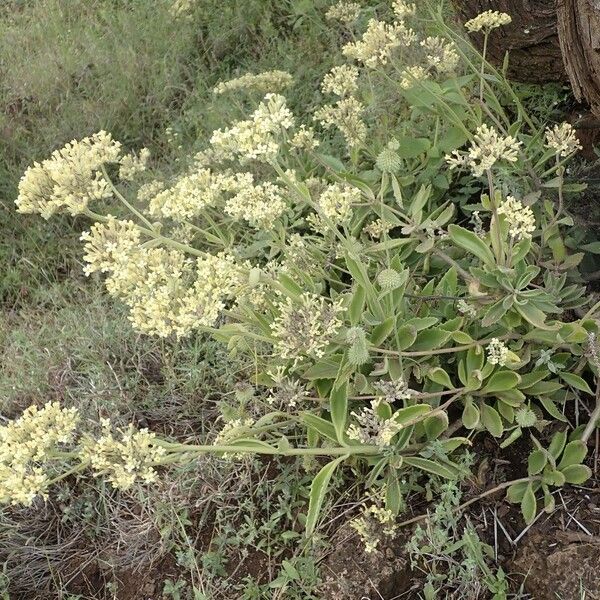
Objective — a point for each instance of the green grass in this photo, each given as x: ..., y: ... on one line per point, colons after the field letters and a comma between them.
x: 70, y: 68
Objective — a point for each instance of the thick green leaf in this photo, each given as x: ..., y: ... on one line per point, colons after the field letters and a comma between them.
x: 338, y: 401
x: 516, y: 491
x: 438, y: 375
x: 577, y: 474
x: 534, y: 316
x: 404, y: 415
x: 529, y: 505
x: 557, y: 444
x: 435, y: 425
x: 318, y: 489
x: 326, y: 368
x: 357, y: 305
x: 573, y: 454
x: 470, y: 415
x: 470, y: 242
x: 381, y: 331
x: 576, y: 381
x: 552, y: 409
x: 501, y: 381
x: 491, y: 420
x: 536, y: 462
x: 323, y: 427
x: 437, y: 468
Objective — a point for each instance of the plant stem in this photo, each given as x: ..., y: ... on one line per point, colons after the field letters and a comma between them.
x: 443, y: 350
x: 591, y: 426
x: 464, y: 505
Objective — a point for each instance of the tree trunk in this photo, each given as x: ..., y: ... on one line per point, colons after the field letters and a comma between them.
x: 579, y: 34
x: 531, y: 39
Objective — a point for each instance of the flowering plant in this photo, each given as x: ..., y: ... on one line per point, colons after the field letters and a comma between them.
x: 401, y: 287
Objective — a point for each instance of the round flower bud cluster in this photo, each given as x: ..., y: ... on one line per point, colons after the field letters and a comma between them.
x: 70, y: 179
x: 260, y: 205
x: 440, y: 55
x: 346, y: 115
x: 341, y: 81
x: 378, y: 43
x: 345, y: 12
x: 25, y: 446
x: 259, y: 82
x: 256, y: 138
x: 358, y: 353
x: 131, y: 165
x: 488, y: 20
x: 562, y: 139
x: 520, y: 218
x: 487, y: 148
x: 388, y: 160
x: 123, y: 461
x: 390, y: 279
x: 497, y: 352
x: 525, y: 417
x: 305, y: 326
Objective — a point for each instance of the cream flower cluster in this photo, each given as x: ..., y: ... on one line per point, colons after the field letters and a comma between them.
x: 305, y: 326
x: 378, y: 43
x: 260, y: 205
x: 403, y: 9
x: 488, y: 20
x: 70, y: 179
x: 336, y: 200
x: 304, y: 139
x: 440, y: 55
x: 370, y: 428
x: 341, y: 81
x: 123, y: 461
x: 232, y: 430
x: 374, y: 521
x: 562, y: 139
x: 131, y: 165
x: 192, y: 193
x: 378, y: 228
x: 346, y: 115
x: 109, y: 244
x: 487, y: 148
x: 257, y: 138
x: 166, y: 292
x: 25, y: 446
x: 345, y: 12
x: 497, y: 352
x: 520, y: 218
x: 412, y: 75
x: 258, y: 82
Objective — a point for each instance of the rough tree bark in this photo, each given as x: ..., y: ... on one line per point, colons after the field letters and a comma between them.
x: 531, y: 38
x: 579, y: 35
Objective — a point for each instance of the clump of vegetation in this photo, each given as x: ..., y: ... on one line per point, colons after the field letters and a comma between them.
x: 391, y: 271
